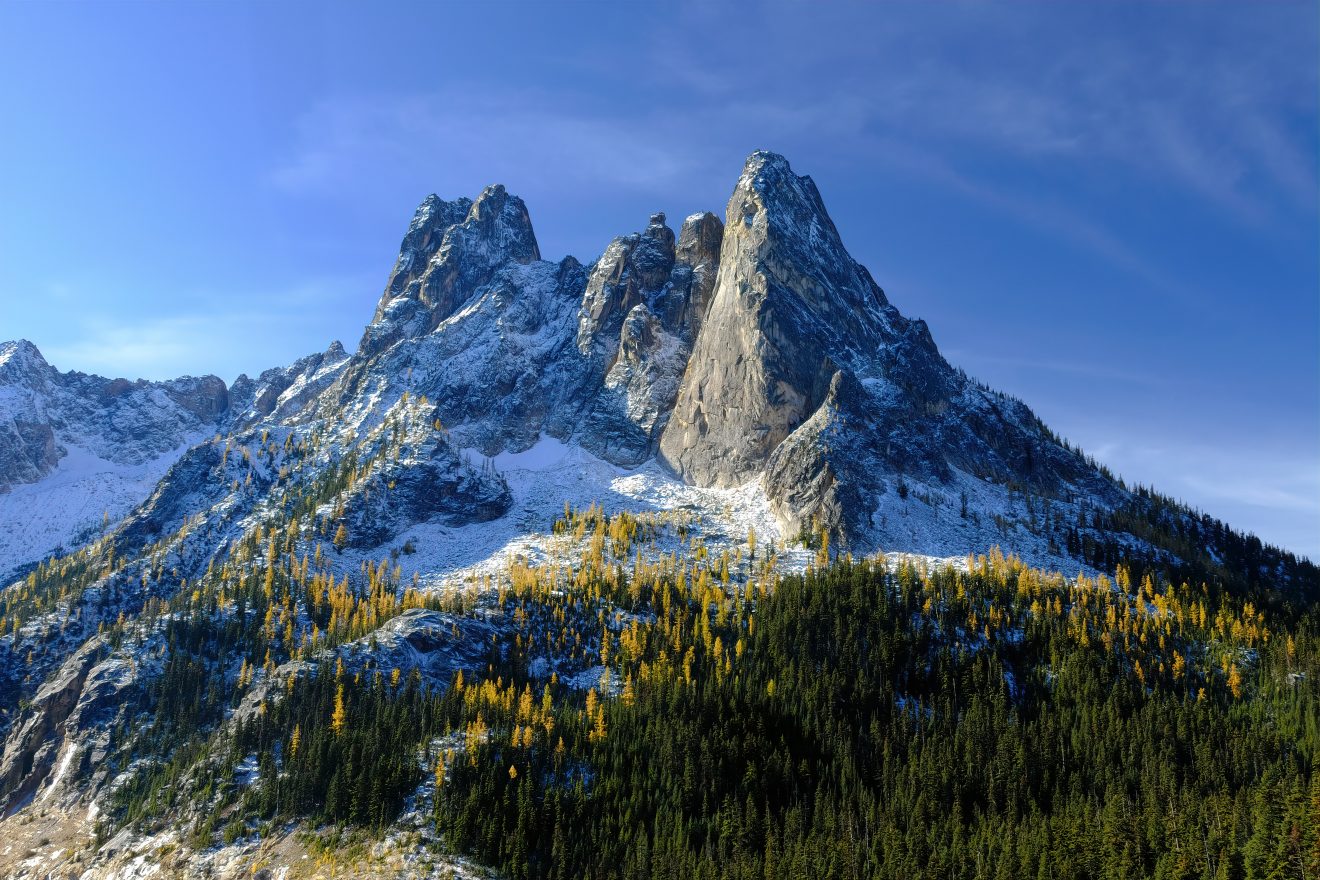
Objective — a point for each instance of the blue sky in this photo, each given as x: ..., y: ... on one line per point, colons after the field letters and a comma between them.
x: 1108, y: 210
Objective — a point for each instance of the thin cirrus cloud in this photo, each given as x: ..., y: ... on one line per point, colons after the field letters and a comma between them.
x: 1214, y: 111
x: 469, y: 133
x: 1275, y: 495
x: 162, y: 346
x: 1219, y: 125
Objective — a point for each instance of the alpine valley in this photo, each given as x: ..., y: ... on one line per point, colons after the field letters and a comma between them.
x: 698, y: 560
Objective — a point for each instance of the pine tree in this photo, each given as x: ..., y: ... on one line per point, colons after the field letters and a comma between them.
x: 340, y: 715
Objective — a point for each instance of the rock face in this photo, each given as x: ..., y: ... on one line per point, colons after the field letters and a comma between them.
x: 641, y: 310
x: 434, y: 643
x: 426, y: 481
x: 30, y: 751
x: 805, y: 377
x: 788, y: 306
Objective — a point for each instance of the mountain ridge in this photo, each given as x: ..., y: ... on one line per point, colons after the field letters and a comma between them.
x: 753, y: 349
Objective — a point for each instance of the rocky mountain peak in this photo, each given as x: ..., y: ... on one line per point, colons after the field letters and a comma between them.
x: 632, y: 271
x: 451, y: 249
x: 658, y: 230
x: 699, y: 240
x: 20, y: 360
x: 425, y: 233
x: 788, y: 307
x: 501, y: 218
x: 784, y: 227
x: 19, y: 348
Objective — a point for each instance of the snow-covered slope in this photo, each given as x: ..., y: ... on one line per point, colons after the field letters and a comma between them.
x: 80, y: 498
x: 78, y: 452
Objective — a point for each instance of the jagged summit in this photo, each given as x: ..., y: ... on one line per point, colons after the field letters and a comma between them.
x: 20, y: 350
x: 450, y: 250
x: 753, y: 349
x: 21, y: 362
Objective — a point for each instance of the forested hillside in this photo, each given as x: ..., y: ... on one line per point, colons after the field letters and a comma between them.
x: 699, y: 716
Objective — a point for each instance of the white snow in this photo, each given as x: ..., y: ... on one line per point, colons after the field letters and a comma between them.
x: 69, y: 504
x: 544, y: 477
x: 70, y: 749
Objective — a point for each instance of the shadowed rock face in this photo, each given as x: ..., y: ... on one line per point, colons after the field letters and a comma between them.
x: 632, y: 271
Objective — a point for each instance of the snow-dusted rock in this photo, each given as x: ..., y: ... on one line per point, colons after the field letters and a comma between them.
x: 283, y: 393
x: 98, y: 444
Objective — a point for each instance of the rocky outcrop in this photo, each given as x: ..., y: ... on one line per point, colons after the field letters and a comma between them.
x: 426, y: 481
x: 34, y: 742
x: 433, y: 643
x: 450, y: 251
x: 284, y: 393
x: 698, y: 264
x: 28, y: 451
x: 641, y: 310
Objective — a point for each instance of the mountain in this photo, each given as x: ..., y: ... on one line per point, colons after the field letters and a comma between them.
x: 78, y: 452
x: 723, y: 404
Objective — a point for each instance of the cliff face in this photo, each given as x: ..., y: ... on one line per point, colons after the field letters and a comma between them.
x: 789, y: 309
x: 805, y: 377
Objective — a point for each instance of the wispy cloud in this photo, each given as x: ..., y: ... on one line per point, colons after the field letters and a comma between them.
x: 1274, y: 492
x: 228, y: 335
x: 950, y: 98
x: 473, y: 132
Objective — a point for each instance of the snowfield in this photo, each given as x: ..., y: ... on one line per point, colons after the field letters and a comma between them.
x: 545, y: 477
x: 70, y: 506
x: 551, y: 473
